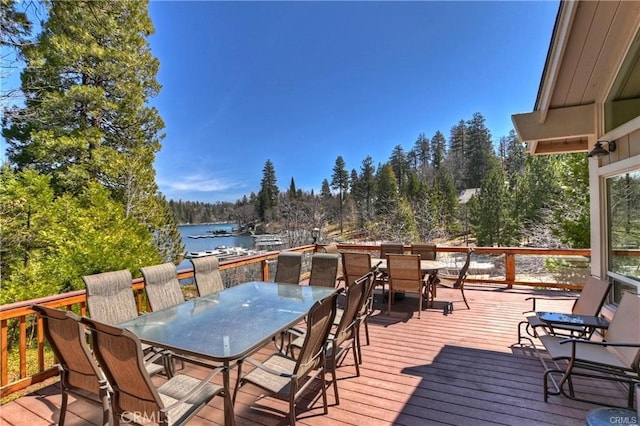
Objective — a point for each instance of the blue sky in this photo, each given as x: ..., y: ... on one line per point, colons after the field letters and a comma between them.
x: 301, y: 83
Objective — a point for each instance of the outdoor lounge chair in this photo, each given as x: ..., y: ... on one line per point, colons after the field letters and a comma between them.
x: 616, y: 359
x: 162, y: 286
x: 177, y: 400
x: 80, y: 375
x: 454, y: 281
x: 207, y: 275
x: 288, y: 267
x: 286, y: 378
x: 324, y: 269
x: 405, y: 275
x: 589, y: 302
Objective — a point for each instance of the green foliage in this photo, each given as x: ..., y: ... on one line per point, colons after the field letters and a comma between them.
x: 50, y: 243
x: 268, y: 195
x: 340, y: 182
x: 571, y: 213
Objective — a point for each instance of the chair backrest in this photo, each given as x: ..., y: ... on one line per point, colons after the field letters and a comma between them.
x: 404, y: 272
x: 68, y: 341
x: 207, y: 275
x: 162, y: 286
x: 426, y: 251
x: 288, y: 267
x: 110, y: 296
x: 319, y: 323
x: 391, y: 248
x: 120, y: 355
x: 592, y: 297
x: 324, y: 269
x: 355, y: 265
x: 625, y: 327
x: 331, y: 248
x: 354, y: 298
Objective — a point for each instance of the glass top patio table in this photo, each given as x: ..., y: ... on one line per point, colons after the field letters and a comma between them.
x: 555, y: 318
x: 230, y: 324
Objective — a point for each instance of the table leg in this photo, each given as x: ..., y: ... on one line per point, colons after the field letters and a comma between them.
x: 229, y: 415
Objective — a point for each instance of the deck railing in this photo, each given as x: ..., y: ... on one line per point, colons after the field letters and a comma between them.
x: 29, y: 372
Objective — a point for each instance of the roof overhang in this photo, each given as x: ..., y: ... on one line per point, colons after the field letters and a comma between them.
x: 591, y: 78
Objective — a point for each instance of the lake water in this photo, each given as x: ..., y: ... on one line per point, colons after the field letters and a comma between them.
x: 202, y: 244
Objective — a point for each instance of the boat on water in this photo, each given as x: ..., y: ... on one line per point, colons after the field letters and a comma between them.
x: 221, y: 252
x: 268, y: 241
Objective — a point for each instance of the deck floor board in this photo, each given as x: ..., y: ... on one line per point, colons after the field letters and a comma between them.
x: 453, y: 369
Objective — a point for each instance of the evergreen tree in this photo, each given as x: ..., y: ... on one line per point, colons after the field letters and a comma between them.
x: 325, y: 190
x: 86, y: 118
x: 268, y: 195
x: 292, y: 189
x: 340, y: 182
x: 456, y: 158
x: 478, y: 153
x: 572, y: 224
x: 367, y: 181
x: 438, y: 149
x: 398, y: 162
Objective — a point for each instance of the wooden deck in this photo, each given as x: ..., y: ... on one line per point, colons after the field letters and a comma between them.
x: 456, y: 369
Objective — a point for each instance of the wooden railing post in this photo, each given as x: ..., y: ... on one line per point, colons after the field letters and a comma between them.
x: 510, y: 269
x: 265, y: 270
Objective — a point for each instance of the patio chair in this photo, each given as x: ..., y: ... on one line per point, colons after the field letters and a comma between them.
x: 80, y: 375
x: 207, y: 275
x: 288, y: 267
x: 356, y: 265
x: 589, y: 302
x: 162, y: 286
x: 616, y: 359
x: 426, y: 251
x: 333, y: 249
x: 391, y: 248
x: 405, y: 275
x: 344, y: 336
x: 286, y: 378
x: 134, y: 394
x: 110, y: 300
x: 455, y: 281
x: 324, y: 269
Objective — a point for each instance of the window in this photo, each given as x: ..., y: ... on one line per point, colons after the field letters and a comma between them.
x: 623, y: 232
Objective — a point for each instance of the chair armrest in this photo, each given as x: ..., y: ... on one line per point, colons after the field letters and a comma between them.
x: 263, y: 367
x: 593, y: 342
x: 195, y: 390
x: 534, y: 298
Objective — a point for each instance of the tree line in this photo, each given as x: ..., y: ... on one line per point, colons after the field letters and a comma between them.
x: 439, y: 188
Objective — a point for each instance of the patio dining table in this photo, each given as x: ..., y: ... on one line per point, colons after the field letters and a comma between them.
x: 229, y: 325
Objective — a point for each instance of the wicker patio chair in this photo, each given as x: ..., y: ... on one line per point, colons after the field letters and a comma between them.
x: 324, y: 270
x: 405, y: 275
x: 455, y: 281
x: 286, y: 378
x: 344, y: 336
x: 616, y: 359
x: 589, y: 302
x: 80, y: 375
x: 207, y: 275
x: 110, y: 300
x: 288, y: 267
x: 175, y: 402
x: 162, y: 286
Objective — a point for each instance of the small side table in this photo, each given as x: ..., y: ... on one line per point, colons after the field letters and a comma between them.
x: 607, y: 416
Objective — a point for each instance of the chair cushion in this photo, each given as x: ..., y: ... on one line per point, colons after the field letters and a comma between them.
x: 279, y: 386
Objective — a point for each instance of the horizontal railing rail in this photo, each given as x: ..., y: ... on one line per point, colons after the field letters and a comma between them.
x: 22, y: 314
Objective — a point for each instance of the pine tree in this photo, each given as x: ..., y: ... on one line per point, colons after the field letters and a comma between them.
x: 87, y: 83
x: 478, y: 152
x: 340, y: 182
x: 268, y: 195
x: 367, y: 182
x: 438, y: 149
x: 456, y: 157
